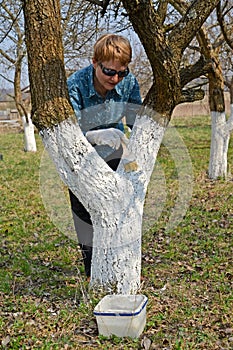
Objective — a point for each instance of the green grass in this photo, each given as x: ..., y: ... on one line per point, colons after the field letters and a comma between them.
x: 187, y: 270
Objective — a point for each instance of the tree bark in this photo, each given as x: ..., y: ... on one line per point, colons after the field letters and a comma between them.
x: 50, y: 101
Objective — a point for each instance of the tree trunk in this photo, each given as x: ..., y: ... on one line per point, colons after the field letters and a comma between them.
x: 220, y: 134
x: 117, y: 238
x: 50, y: 100
x: 28, y: 127
x: 165, y: 51
x: 219, y: 146
x: 115, y: 199
x: 29, y: 135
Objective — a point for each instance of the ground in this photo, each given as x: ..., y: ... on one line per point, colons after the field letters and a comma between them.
x: 187, y: 271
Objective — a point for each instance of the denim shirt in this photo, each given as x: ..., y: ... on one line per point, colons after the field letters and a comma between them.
x: 95, y: 112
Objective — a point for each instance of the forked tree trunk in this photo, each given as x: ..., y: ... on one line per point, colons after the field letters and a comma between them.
x: 117, y: 238
x: 114, y: 199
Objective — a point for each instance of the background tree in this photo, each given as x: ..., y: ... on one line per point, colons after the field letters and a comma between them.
x: 12, y: 55
x: 79, y: 34
x: 210, y: 44
x: 225, y: 19
x: 117, y: 248
x: 220, y: 126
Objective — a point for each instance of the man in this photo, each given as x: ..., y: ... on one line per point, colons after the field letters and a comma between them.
x: 102, y: 94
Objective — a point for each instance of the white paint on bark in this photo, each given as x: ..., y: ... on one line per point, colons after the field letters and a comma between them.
x: 29, y: 135
x: 229, y: 125
x: 114, y: 199
x: 117, y: 260
x: 220, y: 136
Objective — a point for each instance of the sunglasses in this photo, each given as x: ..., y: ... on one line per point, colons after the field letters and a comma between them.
x: 111, y: 72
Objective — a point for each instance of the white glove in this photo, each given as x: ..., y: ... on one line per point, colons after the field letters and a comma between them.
x: 111, y: 137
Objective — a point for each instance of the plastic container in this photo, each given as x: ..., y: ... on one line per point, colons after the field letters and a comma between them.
x: 121, y: 315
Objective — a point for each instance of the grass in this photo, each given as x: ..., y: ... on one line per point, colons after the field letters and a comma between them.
x: 44, y: 299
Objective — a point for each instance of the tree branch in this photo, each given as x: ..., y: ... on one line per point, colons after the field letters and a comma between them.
x: 224, y: 30
x: 97, y: 2
x: 105, y: 5
x: 191, y: 95
x: 7, y: 57
x: 162, y: 11
x: 7, y: 79
x: 13, y: 18
x: 102, y: 3
x: 191, y: 22
x: 191, y: 72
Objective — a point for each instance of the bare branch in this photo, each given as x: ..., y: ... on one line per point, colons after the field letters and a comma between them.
x: 14, y: 20
x: 190, y: 23
x: 6, y: 78
x: 224, y: 30
x: 162, y: 11
x: 6, y: 56
x: 104, y: 4
x: 97, y: 2
x: 191, y: 95
x: 201, y: 67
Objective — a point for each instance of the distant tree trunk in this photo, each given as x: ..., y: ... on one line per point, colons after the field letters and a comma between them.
x: 220, y: 136
x: 29, y: 134
x: 220, y: 132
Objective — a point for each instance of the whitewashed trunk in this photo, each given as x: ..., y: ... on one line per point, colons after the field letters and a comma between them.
x: 117, y: 237
x: 220, y: 137
x: 229, y: 126
x: 114, y: 199
x: 29, y: 135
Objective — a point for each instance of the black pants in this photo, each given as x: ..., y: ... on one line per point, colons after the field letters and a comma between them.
x: 82, y: 220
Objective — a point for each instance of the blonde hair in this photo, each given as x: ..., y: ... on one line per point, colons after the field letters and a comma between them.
x: 113, y: 47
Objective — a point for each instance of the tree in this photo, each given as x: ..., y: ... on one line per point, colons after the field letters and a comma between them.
x: 13, y: 51
x: 14, y: 54
x: 209, y: 43
x: 220, y: 126
x: 116, y: 260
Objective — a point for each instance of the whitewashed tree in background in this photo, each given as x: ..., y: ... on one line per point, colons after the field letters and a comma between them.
x: 212, y: 46
x: 12, y: 55
x: 222, y: 127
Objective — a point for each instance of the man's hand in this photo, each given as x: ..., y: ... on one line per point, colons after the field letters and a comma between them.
x: 111, y: 137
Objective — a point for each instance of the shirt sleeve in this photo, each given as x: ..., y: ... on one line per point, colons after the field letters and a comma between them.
x: 134, y: 102
x: 75, y: 98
